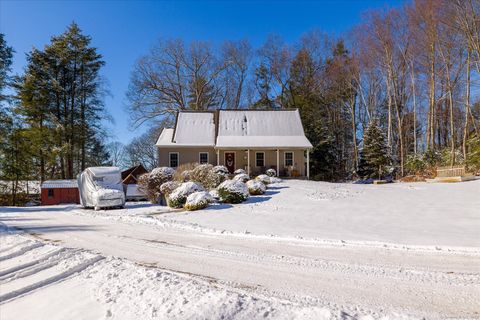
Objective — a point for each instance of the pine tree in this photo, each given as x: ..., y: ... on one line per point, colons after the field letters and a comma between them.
x: 375, y: 156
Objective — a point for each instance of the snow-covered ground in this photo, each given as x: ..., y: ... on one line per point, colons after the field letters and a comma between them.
x: 304, y: 250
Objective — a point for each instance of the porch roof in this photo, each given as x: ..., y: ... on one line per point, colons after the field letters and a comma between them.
x: 255, y: 142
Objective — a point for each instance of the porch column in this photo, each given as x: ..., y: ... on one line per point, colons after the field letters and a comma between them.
x: 278, y: 162
x: 218, y: 157
x: 308, y: 164
x: 248, y: 162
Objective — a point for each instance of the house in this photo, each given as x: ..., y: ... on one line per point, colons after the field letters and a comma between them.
x: 253, y: 140
x: 59, y: 191
x: 130, y: 180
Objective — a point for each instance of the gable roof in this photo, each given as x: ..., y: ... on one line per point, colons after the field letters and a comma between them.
x: 191, y: 129
x: 237, y: 129
x: 268, y: 129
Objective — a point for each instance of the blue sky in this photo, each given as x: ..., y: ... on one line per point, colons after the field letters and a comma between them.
x: 125, y: 30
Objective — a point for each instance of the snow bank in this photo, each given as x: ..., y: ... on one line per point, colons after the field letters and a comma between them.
x: 271, y: 172
x: 239, y: 171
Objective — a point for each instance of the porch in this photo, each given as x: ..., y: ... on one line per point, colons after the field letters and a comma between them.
x: 291, y: 162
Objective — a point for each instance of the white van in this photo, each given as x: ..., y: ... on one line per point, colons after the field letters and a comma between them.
x: 101, y: 187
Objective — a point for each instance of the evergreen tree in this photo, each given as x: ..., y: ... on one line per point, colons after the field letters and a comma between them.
x: 61, y: 103
x: 375, y: 156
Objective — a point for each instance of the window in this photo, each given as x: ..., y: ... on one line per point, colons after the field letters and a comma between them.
x: 260, y: 159
x: 288, y: 159
x: 173, y: 159
x: 203, y: 157
x: 50, y: 193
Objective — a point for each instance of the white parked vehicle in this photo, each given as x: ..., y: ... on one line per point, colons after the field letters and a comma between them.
x: 101, y: 187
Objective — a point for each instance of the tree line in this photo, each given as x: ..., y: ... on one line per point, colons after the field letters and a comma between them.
x: 51, y: 122
x: 414, y: 70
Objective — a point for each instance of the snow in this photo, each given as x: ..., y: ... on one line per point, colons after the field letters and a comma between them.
x: 185, y: 189
x: 264, y: 178
x: 256, y: 187
x: 166, y: 137
x: 194, y: 128
x: 60, y: 184
x: 252, y: 128
x: 303, y: 250
x: 198, y: 200
x: 234, y: 186
x: 241, y: 177
x: 239, y: 171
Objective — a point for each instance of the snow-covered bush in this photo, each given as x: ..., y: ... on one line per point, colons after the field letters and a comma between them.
x: 150, y: 183
x: 239, y: 171
x: 256, y: 187
x: 198, y: 200
x: 263, y: 178
x: 271, y: 172
x: 241, y: 177
x: 232, y: 191
x: 275, y: 180
x: 177, y: 198
x: 214, y: 194
x: 221, y: 170
x: 206, y: 176
x: 168, y: 187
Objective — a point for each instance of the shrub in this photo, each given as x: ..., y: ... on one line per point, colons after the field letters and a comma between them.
x: 271, y: 172
x: 168, y: 187
x: 232, y: 191
x: 473, y: 154
x: 183, y: 171
x: 198, y: 200
x: 206, y: 176
x: 263, y: 178
x: 214, y: 194
x: 221, y: 170
x: 256, y: 187
x: 177, y: 198
x: 241, y: 177
x: 275, y: 180
x: 150, y: 183
x: 415, y: 165
x: 239, y: 171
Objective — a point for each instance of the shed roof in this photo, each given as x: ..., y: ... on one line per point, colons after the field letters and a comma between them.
x: 55, y: 184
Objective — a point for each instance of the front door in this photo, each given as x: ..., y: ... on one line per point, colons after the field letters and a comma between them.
x: 230, y: 161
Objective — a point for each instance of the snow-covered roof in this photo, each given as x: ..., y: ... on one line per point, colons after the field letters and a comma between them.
x: 50, y: 184
x: 237, y: 129
x: 192, y: 129
x: 267, y: 129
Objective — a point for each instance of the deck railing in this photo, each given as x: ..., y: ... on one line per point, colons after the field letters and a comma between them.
x: 455, y: 171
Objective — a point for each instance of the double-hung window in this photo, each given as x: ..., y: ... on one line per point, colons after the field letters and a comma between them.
x: 203, y: 157
x: 173, y: 159
x: 260, y: 159
x: 288, y: 159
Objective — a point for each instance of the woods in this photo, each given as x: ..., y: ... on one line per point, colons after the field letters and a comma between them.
x: 414, y: 69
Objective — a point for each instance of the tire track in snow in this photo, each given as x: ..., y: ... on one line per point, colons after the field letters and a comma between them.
x: 56, y: 278
x: 399, y: 273
x: 22, y: 251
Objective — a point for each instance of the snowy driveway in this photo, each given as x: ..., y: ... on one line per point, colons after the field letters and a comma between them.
x: 436, y: 274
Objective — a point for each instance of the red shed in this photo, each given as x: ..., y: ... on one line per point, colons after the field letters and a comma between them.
x: 59, y: 191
